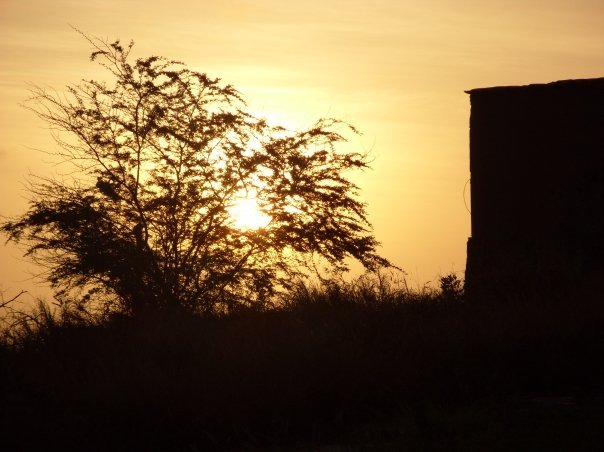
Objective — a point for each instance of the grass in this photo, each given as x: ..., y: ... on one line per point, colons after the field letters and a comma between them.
x: 363, y: 366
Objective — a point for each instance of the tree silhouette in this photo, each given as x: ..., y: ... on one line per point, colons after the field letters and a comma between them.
x: 161, y: 155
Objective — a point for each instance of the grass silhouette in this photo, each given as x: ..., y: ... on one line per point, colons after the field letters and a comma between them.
x: 367, y: 365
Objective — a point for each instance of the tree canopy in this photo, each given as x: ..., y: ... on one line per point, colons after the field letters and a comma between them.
x: 161, y: 155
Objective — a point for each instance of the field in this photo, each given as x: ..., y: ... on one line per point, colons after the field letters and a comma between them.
x: 357, y: 367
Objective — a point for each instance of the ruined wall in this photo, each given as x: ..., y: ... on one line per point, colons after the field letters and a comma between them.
x: 536, y: 162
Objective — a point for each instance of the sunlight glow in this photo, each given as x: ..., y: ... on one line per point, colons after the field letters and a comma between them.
x: 247, y: 214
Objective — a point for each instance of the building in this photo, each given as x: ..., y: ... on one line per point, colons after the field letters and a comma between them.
x: 537, y: 167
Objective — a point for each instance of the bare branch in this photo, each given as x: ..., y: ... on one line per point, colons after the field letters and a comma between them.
x: 5, y: 303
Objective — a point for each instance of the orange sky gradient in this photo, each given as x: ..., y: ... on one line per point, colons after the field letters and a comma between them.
x: 395, y: 69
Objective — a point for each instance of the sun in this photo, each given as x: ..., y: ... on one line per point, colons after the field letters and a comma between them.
x: 247, y: 214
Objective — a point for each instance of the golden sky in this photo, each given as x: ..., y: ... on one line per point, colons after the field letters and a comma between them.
x: 396, y: 69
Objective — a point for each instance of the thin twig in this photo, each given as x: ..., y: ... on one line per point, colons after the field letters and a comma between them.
x: 7, y: 302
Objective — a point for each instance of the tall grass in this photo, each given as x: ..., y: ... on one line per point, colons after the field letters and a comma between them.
x: 329, y: 361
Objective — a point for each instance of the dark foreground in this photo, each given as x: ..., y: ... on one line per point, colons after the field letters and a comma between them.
x: 327, y: 374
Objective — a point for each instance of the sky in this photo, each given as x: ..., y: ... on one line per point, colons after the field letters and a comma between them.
x: 396, y: 69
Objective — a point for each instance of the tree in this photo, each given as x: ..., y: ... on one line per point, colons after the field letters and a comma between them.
x: 161, y: 156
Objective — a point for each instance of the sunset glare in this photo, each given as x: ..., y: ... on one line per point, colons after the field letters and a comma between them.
x: 247, y: 215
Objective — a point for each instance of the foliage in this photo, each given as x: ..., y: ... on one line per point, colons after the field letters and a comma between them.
x: 451, y: 287
x: 160, y: 157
